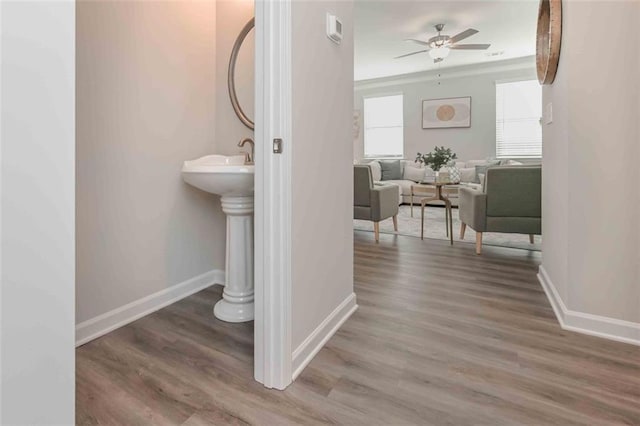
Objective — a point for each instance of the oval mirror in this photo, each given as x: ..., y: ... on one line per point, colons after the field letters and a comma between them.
x: 240, y: 77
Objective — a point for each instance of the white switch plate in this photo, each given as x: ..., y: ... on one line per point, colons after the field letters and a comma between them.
x: 334, y: 28
x: 548, y: 113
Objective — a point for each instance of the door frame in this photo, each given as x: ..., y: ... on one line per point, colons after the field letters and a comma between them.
x: 273, y: 211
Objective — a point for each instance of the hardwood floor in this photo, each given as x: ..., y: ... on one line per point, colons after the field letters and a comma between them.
x: 442, y: 336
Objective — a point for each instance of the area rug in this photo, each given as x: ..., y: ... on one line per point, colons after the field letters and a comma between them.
x: 434, y: 227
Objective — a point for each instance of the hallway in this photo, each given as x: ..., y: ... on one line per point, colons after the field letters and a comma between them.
x: 442, y: 336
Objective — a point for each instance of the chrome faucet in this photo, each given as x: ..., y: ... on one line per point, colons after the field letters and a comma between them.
x: 248, y: 157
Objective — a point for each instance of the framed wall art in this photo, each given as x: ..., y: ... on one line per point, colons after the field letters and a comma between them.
x: 446, y: 113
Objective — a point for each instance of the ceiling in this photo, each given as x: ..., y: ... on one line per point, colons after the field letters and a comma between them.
x: 381, y: 27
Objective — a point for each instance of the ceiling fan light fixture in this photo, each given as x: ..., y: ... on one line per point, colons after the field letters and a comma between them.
x: 439, y: 52
x: 441, y: 45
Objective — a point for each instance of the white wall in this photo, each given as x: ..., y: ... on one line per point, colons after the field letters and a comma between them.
x: 146, y: 101
x: 322, y: 167
x: 477, y: 81
x: 37, y: 229
x: 607, y: 228
x: 232, y: 15
x: 591, y: 176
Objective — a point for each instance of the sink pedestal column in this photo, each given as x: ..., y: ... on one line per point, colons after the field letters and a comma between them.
x: 237, y: 298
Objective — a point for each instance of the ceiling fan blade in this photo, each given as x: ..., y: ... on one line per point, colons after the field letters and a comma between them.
x: 470, y: 46
x: 466, y: 33
x: 413, y: 53
x: 424, y: 43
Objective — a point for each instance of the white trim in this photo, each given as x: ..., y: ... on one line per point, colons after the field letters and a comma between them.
x: 580, y: 322
x: 102, y: 324
x: 385, y: 94
x: 308, y: 349
x: 1, y: 202
x: 513, y: 80
x: 273, y: 211
x: 526, y: 63
x: 552, y: 294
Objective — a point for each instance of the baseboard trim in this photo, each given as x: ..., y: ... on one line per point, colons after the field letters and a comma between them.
x: 98, y: 326
x: 552, y: 294
x: 593, y: 325
x: 304, y: 353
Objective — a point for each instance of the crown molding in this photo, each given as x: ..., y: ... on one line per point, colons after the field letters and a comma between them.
x: 527, y: 63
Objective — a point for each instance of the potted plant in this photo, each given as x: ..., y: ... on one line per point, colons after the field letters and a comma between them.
x: 439, y: 157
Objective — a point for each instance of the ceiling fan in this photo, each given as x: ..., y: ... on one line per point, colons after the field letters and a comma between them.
x: 439, y: 46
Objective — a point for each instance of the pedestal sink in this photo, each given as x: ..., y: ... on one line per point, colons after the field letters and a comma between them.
x: 232, y: 179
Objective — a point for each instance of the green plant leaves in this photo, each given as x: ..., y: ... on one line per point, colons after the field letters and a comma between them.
x: 436, y: 159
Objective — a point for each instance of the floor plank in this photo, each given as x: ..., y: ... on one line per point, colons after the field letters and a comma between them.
x: 441, y: 336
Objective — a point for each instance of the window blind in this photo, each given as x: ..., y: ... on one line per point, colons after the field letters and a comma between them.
x: 518, y: 111
x: 383, y: 127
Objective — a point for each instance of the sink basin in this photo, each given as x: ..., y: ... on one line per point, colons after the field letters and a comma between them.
x: 220, y: 174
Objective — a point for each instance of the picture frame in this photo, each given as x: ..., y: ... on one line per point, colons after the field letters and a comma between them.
x: 446, y: 113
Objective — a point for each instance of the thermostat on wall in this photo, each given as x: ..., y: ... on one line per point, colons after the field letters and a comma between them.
x: 334, y: 28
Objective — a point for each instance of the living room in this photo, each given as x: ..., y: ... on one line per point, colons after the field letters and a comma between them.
x: 475, y: 102
x: 488, y: 322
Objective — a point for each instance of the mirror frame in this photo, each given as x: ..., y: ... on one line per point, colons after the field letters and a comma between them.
x: 231, y: 75
x: 548, y: 40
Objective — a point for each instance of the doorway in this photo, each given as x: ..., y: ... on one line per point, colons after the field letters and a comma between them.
x: 450, y: 89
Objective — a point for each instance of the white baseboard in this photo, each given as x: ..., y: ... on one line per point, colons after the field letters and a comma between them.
x: 304, y: 353
x: 580, y: 322
x: 116, y: 318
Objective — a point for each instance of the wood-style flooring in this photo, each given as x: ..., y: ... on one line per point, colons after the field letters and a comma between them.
x: 442, y: 336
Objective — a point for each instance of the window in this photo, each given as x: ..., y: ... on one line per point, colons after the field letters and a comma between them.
x: 518, y: 111
x: 383, y: 127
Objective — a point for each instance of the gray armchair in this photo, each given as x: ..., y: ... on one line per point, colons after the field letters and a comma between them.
x: 373, y: 202
x: 510, y: 202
